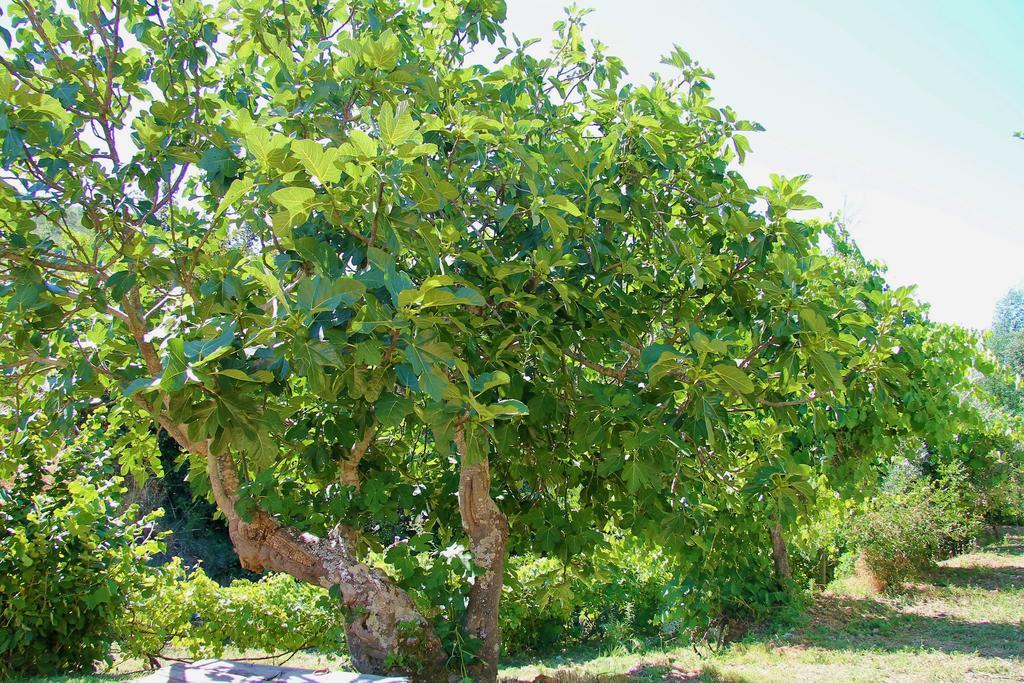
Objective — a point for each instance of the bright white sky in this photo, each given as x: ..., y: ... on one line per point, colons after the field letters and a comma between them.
x: 903, y: 113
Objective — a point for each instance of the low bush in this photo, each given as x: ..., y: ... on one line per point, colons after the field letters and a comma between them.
x: 817, y: 546
x: 618, y: 597
x: 915, y: 521
x: 70, y: 557
x: 79, y: 580
x: 193, y: 613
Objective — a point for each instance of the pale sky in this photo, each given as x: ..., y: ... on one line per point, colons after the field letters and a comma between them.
x: 902, y: 111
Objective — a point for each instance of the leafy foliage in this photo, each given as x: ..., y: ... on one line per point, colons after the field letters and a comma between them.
x: 1007, y: 340
x: 70, y: 557
x: 193, y: 613
x: 616, y: 596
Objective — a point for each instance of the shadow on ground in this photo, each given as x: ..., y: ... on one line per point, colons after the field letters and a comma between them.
x: 843, y: 623
x: 989, y: 578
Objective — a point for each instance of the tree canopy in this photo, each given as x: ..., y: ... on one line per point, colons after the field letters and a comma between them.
x: 406, y: 313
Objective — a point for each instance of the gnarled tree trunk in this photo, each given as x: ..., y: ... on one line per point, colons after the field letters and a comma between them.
x: 487, y: 528
x: 378, y: 613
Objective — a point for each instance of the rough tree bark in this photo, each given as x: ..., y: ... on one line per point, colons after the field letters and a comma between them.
x: 487, y: 528
x: 780, y: 556
x: 378, y: 613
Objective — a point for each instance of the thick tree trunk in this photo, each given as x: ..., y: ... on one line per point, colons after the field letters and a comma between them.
x: 382, y: 621
x: 780, y: 556
x: 487, y: 528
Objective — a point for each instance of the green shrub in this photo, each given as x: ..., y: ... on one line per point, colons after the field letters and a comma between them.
x: 1005, y: 500
x: 914, y: 522
x: 193, y: 612
x: 617, y: 597
x: 77, y: 573
x: 538, y: 605
x: 69, y: 558
x: 624, y: 599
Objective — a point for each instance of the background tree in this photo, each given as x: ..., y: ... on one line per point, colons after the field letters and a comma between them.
x: 371, y: 287
x: 1007, y: 339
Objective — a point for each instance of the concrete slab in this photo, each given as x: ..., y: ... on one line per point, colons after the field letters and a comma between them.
x: 224, y: 671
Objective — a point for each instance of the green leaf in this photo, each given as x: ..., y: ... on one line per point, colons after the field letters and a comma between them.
x: 811, y: 321
x: 637, y: 475
x: 826, y: 369
x: 562, y: 203
x: 261, y: 376
x: 311, y: 354
x: 98, y: 596
x: 219, y: 164
x: 362, y: 144
x: 470, y: 296
x: 396, y: 126
x: 141, y: 384
x: 655, y: 353
x: 175, y: 365
x: 382, y: 52
x: 734, y: 377
x: 391, y: 410
x: 659, y: 360
x: 205, y: 350
x: 46, y: 105
x: 434, y: 383
x: 509, y: 406
x: 296, y: 201
x: 559, y: 227
x: 120, y: 283
x: 701, y: 343
x: 238, y: 188
x: 272, y: 284
x: 318, y: 161
x: 489, y: 380
x: 323, y: 294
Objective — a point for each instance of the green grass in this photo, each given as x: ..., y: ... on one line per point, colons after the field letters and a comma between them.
x: 965, y: 623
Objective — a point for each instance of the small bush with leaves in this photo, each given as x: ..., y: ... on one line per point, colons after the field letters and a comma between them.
x: 915, y: 521
x: 70, y: 555
x: 818, y: 545
x: 617, y: 597
x: 193, y: 612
